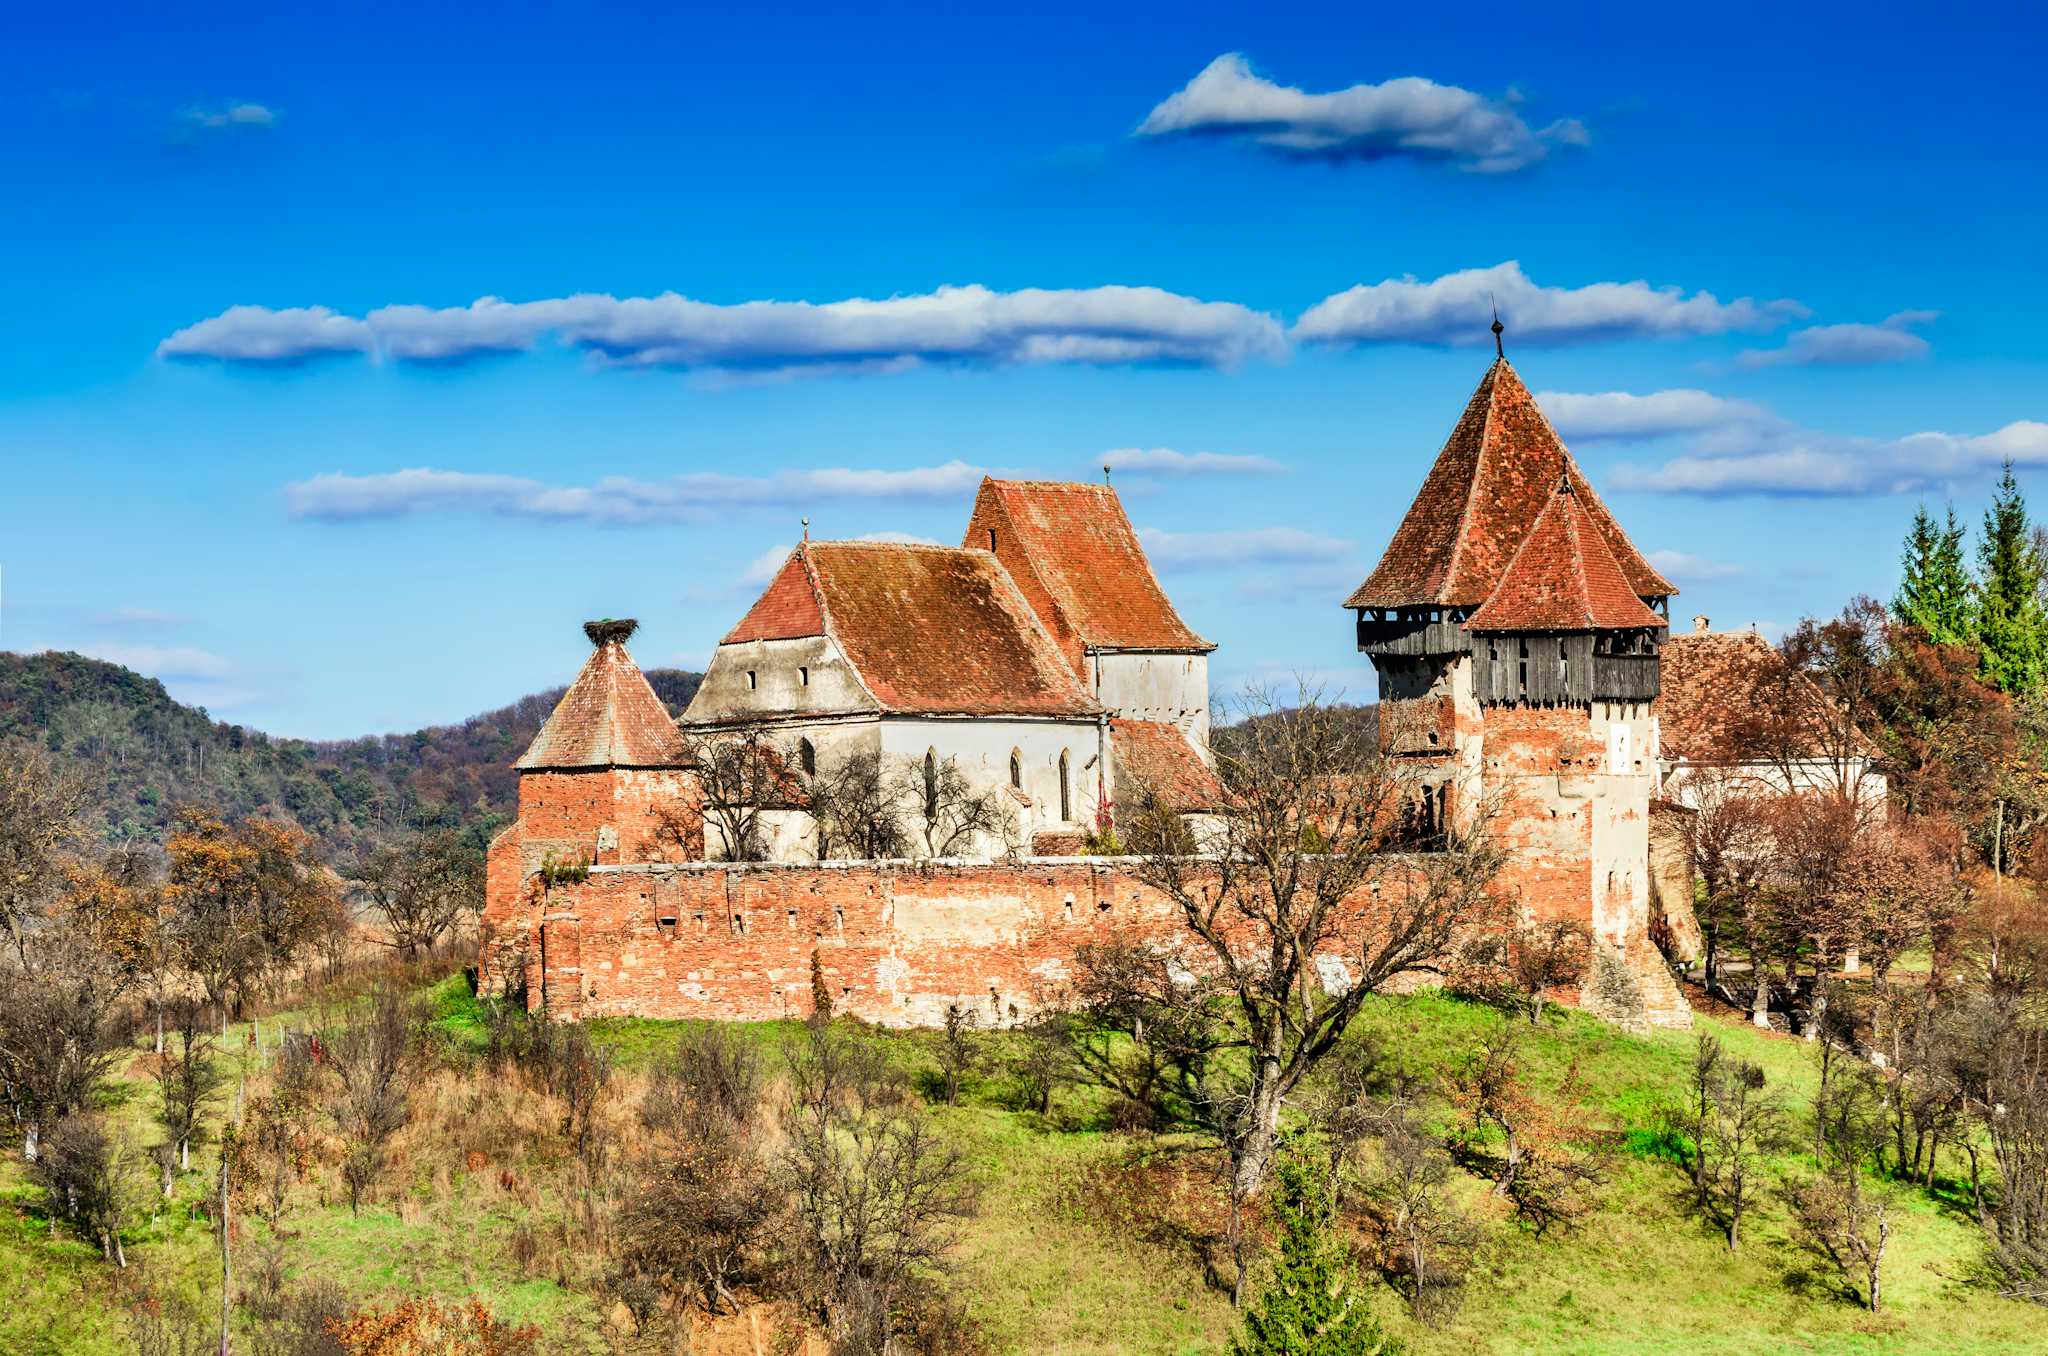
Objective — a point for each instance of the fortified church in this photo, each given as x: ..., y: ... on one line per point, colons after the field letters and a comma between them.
x: 1514, y: 627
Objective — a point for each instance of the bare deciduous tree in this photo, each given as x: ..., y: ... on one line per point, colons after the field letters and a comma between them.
x: 41, y: 814
x: 1744, y: 1124
x: 1518, y: 970
x: 959, y: 1048
x: 187, y: 1077
x: 372, y: 1055
x: 738, y: 777
x: 948, y: 817
x: 855, y: 807
x: 89, y: 1178
x: 57, y: 1038
x: 697, y: 1222
x: 423, y: 887
x: 1847, y: 1222
x: 1304, y: 867
x: 877, y: 1194
x: 1543, y: 1167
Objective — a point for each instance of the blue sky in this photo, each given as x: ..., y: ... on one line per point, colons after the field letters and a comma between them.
x: 1806, y: 240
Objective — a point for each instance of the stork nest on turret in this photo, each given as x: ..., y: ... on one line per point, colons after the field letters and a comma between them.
x: 608, y: 631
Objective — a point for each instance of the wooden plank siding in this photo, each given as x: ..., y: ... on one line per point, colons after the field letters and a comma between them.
x: 1412, y: 637
x: 1554, y: 669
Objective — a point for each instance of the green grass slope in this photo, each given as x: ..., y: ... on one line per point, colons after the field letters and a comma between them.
x: 1076, y: 1251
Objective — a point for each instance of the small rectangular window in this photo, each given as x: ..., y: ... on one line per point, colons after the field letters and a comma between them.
x: 803, y: 676
x: 751, y: 681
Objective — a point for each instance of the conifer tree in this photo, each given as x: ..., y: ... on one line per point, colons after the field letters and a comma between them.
x: 1934, y: 590
x: 1311, y: 1307
x: 2009, y: 615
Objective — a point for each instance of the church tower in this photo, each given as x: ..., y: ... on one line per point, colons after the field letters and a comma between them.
x: 1515, y: 632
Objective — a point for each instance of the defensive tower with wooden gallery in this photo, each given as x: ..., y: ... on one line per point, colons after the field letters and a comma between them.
x: 1515, y: 631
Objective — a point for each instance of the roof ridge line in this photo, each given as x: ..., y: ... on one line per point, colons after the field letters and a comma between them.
x: 1472, y: 485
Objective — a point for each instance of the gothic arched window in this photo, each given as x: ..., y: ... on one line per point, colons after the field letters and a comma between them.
x: 931, y: 784
x: 1066, y: 791
x: 807, y: 757
x: 1016, y: 769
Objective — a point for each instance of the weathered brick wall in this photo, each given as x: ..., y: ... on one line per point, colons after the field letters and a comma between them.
x: 897, y: 942
x: 606, y: 815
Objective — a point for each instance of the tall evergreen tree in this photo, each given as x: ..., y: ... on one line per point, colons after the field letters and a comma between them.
x: 1311, y: 1307
x: 1934, y: 590
x: 2009, y: 615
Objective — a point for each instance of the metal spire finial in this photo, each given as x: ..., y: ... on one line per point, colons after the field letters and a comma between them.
x: 807, y: 528
x: 1498, y: 351
x: 1105, y: 473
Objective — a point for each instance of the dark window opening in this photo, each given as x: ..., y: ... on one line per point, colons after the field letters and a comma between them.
x: 991, y: 539
x: 1066, y: 791
x: 752, y: 681
x: 1016, y: 769
x: 931, y: 784
x: 803, y: 676
x: 807, y: 757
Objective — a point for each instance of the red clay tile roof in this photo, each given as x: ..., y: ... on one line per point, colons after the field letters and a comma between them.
x: 930, y: 629
x: 1481, y: 497
x: 609, y: 717
x: 1072, y: 551
x: 1563, y: 578
x: 1714, y: 684
x: 1155, y: 758
x: 787, y: 609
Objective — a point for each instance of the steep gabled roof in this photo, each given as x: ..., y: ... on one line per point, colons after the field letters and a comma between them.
x: 1154, y: 758
x: 1563, y: 578
x: 1481, y: 497
x: 1074, y: 554
x: 786, y: 610
x: 929, y: 629
x: 609, y: 717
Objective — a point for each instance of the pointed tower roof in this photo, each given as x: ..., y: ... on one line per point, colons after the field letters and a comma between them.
x: 1564, y: 578
x: 1073, y: 552
x: 1489, y: 484
x: 609, y: 717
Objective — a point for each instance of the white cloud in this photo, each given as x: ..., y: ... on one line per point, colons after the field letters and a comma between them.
x: 1240, y: 546
x: 1408, y: 117
x: 971, y: 326
x: 1457, y: 308
x: 1890, y: 341
x: 1621, y: 414
x: 258, y: 334
x: 1785, y: 460
x: 1166, y: 461
x: 1685, y: 567
x: 229, y: 118
x: 613, y: 499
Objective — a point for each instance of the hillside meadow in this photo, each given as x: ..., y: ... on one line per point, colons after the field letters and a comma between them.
x: 1087, y: 1240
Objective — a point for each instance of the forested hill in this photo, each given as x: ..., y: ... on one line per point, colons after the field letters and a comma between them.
x: 151, y: 754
